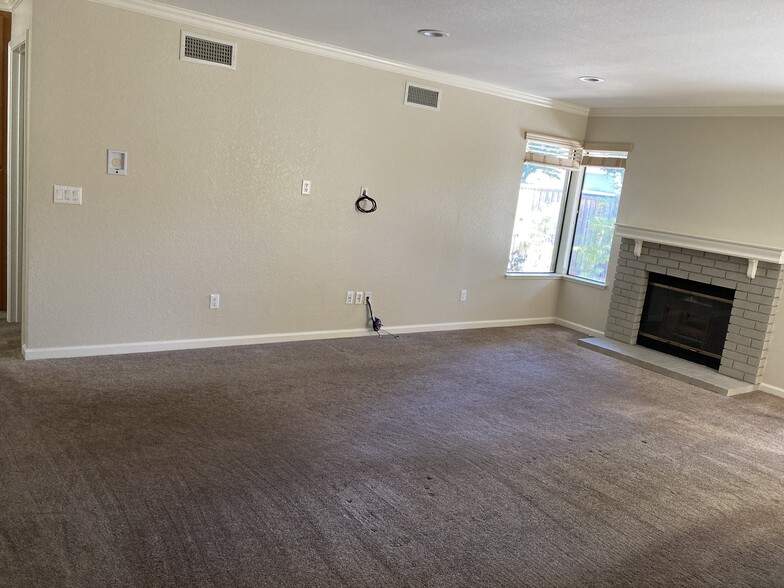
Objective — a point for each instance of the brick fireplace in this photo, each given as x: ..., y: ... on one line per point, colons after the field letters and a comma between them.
x: 754, y: 273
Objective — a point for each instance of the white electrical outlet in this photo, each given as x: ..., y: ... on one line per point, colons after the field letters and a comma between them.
x: 359, y: 298
x: 349, y: 297
x: 214, y: 301
x: 305, y: 187
x: 368, y: 296
x: 463, y: 295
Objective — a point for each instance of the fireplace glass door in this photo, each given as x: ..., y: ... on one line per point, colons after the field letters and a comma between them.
x: 685, y: 318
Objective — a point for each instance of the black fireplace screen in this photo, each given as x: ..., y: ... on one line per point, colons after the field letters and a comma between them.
x: 686, y: 318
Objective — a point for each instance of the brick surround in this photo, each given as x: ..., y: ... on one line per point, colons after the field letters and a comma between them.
x: 753, y: 310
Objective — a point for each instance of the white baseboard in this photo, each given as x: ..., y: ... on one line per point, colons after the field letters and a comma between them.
x: 181, y: 344
x: 775, y: 390
x: 470, y: 325
x: 578, y: 327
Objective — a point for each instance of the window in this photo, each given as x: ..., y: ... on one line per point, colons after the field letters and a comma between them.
x: 543, y: 209
x: 539, y: 217
x: 548, y: 167
x: 593, y: 232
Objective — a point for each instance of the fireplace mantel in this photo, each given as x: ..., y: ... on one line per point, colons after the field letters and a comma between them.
x: 753, y: 253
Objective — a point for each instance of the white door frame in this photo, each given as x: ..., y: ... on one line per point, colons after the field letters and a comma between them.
x: 17, y: 175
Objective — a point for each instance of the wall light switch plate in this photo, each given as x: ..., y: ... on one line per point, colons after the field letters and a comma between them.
x: 116, y: 162
x: 67, y: 195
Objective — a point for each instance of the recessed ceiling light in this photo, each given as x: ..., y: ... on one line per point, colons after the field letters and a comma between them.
x: 591, y: 79
x: 432, y: 33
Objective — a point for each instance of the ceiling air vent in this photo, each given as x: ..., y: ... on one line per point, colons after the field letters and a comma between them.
x: 209, y: 51
x: 422, y: 97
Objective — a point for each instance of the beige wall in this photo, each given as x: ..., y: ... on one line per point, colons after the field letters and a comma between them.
x: 212, y: 204
x: 713, y: 177
x: 21, y: 19
x: 587, y: 305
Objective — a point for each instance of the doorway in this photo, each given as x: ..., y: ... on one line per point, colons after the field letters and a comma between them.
x: 17, y: 94
x: 5, y: 37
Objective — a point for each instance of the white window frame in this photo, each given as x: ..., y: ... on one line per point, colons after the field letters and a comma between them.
x: 565, y: 239
x: 560, y: 235
x: 569, y: 223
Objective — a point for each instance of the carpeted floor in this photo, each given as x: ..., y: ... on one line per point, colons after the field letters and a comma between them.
x: 496, y: 457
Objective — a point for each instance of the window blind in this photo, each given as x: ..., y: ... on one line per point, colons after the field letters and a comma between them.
x: 552, y: 151
x: 606, y: 154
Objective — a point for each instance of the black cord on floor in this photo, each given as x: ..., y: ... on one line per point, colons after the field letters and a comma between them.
x: 376, y: 322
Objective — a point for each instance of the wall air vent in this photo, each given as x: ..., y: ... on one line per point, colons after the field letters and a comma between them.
x: 422, y: 97
x: 210, y: 51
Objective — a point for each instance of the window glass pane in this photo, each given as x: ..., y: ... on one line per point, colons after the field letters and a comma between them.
x: 538, y: 220
x: 593, y: 234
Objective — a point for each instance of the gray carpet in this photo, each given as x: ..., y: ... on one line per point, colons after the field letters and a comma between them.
x: 497, y: 457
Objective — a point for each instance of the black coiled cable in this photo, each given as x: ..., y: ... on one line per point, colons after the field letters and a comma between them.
x: 361, y: 206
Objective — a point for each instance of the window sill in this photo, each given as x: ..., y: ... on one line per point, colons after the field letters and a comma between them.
x: 548, y: 276
x: 585, y: 282
x: 554, y: 276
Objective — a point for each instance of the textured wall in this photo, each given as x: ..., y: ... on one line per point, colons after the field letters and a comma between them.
x: 713, y: 177
x: 587, y: 305
x: 212, y: 204
x: 22, y: 19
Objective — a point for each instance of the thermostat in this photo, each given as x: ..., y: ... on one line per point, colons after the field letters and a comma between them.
x: 117, y: 162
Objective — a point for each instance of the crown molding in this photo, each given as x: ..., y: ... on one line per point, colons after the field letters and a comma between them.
x: 229, y: 27
x: 9, y: 5
x: 696, y: 112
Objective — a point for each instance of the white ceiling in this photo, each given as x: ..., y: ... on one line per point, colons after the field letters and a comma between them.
x: 652, y: 53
